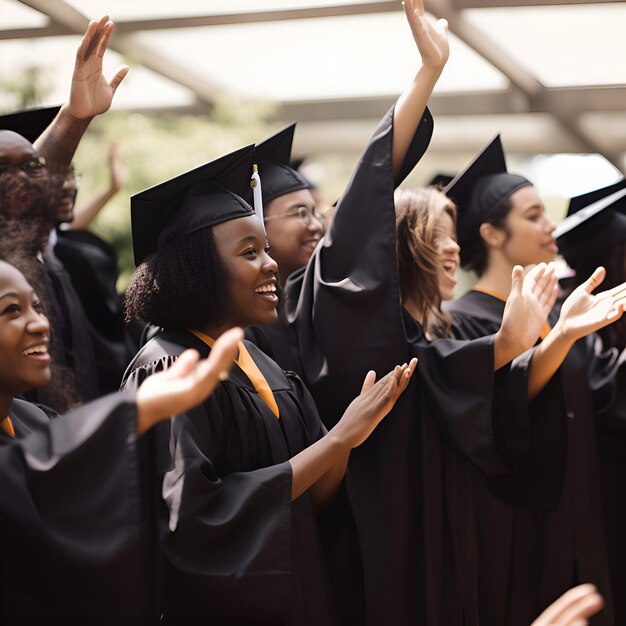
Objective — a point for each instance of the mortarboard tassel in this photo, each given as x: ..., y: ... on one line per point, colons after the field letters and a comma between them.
x: 255, y: 183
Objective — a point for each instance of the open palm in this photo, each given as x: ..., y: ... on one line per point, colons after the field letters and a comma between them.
x: 91, y: 94
x: 431, y: 39
x: 583, y: 313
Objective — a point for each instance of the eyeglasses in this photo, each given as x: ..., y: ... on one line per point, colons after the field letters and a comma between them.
x: 305, y: 213
x: 32, y: 166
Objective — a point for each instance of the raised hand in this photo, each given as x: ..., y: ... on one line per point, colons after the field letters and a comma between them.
x: 583, y: 313
x: 431, y: 40
x: 375, y: 401
x: 116, y: 168
x: 528, y: 305
x: 187, y: 383
x: 572, y: 608
x: 91, y: 94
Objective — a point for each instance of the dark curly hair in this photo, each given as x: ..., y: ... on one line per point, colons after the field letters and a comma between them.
x: 474, y: 252
x: 183, y: 285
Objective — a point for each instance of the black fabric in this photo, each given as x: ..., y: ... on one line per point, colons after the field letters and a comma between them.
x: 29, y: 123
x: 528, y: 557
x: 91, y: 264
x: 70, y: 517
x: 408, y: 482
x: 72, y: 331
x: 238, y: 549
x: 26, y: 417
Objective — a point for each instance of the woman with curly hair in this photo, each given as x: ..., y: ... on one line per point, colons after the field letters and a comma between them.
x: 253, y: 464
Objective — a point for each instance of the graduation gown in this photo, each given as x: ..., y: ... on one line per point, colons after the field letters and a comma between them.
x: 238, y: 550
x: 91, y: 264
x: 70, y: 520
x: 408, y: 485
x: 532, y: 552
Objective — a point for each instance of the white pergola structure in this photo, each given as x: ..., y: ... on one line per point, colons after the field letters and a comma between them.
x: 549, y: 74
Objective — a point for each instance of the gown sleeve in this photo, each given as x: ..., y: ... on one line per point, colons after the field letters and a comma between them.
x: 344, y: 306
x: 70, y: 515
x: 228, y: 550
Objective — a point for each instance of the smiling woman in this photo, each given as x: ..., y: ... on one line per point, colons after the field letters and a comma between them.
x: 24, y: 338
x: 252, y: 464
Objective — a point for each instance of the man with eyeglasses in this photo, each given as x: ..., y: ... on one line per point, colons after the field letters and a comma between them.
x: 33, y: 166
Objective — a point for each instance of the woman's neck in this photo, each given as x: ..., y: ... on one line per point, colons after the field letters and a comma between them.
x: 412, y: 305
x: 496, y: 278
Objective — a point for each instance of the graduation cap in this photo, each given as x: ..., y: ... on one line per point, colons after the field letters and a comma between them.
x: 592, y: 229
x: 482, y: 187
x: 205, y: 196
x: 273, y: 157
x: 29, y: 123
x: 580, y: 202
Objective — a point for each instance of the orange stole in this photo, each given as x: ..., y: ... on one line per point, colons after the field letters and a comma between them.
x: 251, y: 370
x: 7, y: 426
x: 546, y: 329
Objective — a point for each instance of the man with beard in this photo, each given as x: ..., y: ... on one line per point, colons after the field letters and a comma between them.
x: 31, y: 177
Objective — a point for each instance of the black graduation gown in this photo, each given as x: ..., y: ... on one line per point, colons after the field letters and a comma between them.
x: 407, y: 483
x: 238, y: 550
x: 91, y: 264
x: 70, y: 520
x: 529, y: 556
x: 72, y: 330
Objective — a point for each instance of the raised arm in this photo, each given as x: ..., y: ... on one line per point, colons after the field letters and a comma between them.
x: 432, y: 44
x: 90, y: 95
x: 582, y: 314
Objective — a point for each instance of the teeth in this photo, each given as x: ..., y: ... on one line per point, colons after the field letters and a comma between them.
x: 35, y: 350
x: 266, y: 289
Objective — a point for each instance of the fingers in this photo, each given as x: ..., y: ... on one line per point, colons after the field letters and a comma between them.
x: 119, y: 77
x: 406, y: 376
x: 370, y: 379
x: 572, y: 607
x: 96, y: 36
x: 618, y: 310
x: 616, y: 291
x: 81, y: 53
x: 594, y: 280
x: 183, y: 365
x: 541, y: 280
x: 547, y: 298
x: 225, y: 351
x: 517, y: 280
x: 104, y: 38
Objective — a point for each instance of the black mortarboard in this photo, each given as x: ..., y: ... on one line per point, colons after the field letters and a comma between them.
x: 580, y: 202
x: 29, y: 123
x: 593, y: 229
x: 277, y: 177
x: 482, y: 187
x: 205, y: 196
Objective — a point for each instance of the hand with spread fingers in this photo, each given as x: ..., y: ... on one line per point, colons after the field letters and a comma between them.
x: 374, y: 402
x: 91, y: 93
x: 583, y: 313
x: 431, y: 39
x: 526, y: 311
